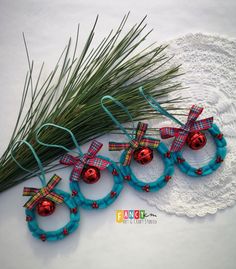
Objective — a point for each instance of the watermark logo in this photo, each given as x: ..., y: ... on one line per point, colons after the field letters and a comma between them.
x: 135, y: 216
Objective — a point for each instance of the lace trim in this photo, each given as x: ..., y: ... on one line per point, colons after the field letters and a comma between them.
x: 209, y: 63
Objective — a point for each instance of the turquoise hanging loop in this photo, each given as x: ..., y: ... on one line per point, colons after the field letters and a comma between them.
x: 154, y: 104
x: 118, y: 124
x: 56, y: 145
x: 42, y: 175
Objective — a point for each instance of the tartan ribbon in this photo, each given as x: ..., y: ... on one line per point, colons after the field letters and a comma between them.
x: 191, y: 125
x: 88, y: 158
x: 138, y: 141
x: 45, y: 192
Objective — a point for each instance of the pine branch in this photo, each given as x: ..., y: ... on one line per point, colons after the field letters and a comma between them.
x: 70, y: 95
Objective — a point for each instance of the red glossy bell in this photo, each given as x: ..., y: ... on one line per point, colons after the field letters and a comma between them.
x: 143, y: 155
x: 90, y: 174
x: 196, y: 140
x: 46, y: 207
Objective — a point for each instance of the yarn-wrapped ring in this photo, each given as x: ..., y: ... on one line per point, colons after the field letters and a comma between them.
x: 213, y: 165
x: 109, y: 198
x: 139, y: 185
x: 58, y: 234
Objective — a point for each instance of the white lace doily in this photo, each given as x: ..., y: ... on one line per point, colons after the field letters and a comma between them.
x: 209, y: 63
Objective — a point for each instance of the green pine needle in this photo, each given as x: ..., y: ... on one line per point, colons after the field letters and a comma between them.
x: 70, y: 96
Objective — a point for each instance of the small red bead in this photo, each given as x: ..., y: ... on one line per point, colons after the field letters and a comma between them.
x: 180, y: 160
x: 167, y: 178
x: 168, y: 154
x: 220, y: 136
x: 65, y: 231
x: 94, y: 205
x: 198, y: 171
x: 219, y: 159
x: 28, y: 218
x: 43, y: 237
x: 114, y: 172
x: 113, y: 194
x: 127, y: 178
x: 74, y: 210
x: 146, y: 188
x: 74, y: 193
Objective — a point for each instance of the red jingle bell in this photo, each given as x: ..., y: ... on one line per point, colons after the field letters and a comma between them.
x: 90, y: 174
x: 46, y: 207
x: 143, y: 155
x: 196, y: 140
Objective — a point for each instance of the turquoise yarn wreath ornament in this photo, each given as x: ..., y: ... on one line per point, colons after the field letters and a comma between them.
x: 87, y: 167
x: 140, y: 148
x: 47, y: 194
x: 191, y: 132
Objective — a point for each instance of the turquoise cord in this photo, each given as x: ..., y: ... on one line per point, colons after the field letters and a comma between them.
x: 153, y: 103
x: 40, y: 165
x: 118, y: 124
x: 56, y: 145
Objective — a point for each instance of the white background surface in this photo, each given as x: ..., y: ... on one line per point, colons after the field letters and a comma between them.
x: 173, y: 242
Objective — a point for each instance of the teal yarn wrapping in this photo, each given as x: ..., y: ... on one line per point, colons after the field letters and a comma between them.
x: 213, y: 165
x: 158, y: 183
x: 78, y: 196
x: 104, y: 202
x: 126, y: 170
x: 58, y: 234
x: 184, y: 166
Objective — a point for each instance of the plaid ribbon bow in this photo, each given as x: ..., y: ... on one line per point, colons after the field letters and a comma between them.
x: 45, y: 192
x: 191, y: 125
x: 138, y: 141
x: 88, y: 158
